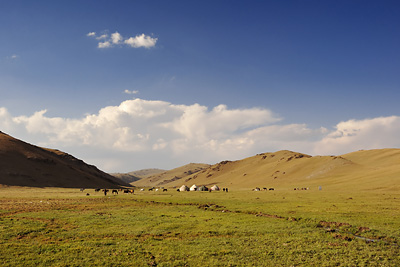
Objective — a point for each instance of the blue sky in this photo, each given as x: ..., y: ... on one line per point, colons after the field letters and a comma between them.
x: 319, y: 77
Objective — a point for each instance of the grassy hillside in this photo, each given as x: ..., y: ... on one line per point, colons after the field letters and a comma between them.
x: 144, y: 173
x: 134, y: 176
x: 371, y: 169
x: 174, y: 175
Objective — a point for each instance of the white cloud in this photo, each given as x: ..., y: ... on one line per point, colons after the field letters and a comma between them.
x: 102, y: 37
x: 116, y: 38
x: 105, y: 44
x: 354, y: 135
x: 141, y: 41
x: 131, y: 92
x: 12, y: 57
x: 141, y: 133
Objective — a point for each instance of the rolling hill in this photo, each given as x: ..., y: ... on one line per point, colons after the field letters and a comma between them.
x: 134, y: 176
x: 23, y: 164
x: 369, y: 169
x: 167, y: 177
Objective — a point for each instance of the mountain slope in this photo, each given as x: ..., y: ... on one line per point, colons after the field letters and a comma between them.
x: 126, y: 177
x: 372, y: 169
x: 134, y: 176
x: 166, y: 177
x: 23, y: 164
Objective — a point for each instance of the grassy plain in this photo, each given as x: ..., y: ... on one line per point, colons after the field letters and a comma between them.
x: 64, y: 227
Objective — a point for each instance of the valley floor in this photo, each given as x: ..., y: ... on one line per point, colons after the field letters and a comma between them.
x: 66, y: 227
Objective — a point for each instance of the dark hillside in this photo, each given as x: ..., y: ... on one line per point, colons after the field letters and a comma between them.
x: 23, y: 164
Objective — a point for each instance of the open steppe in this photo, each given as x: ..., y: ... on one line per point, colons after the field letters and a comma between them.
x: 348, y: 216
x: 328, y: 227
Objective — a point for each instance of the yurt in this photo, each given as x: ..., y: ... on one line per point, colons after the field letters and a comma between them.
x: 202, y: 188
x: 183, y: 188
x: 214, y: 188
x: 193, y: 188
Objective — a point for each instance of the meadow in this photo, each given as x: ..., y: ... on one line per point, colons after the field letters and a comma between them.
x: 65, y: 227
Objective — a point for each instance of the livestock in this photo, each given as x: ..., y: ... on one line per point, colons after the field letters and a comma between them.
x: 271, y: 189
x: 115, y: 191
x: 97, y: 190
x: 127, y: 191
x: 105, y: 191
x: 164, y: 190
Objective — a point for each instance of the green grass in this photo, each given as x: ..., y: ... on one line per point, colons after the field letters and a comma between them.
x: 64, y: 227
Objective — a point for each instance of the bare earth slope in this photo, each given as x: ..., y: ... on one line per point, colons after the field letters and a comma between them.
x: 371, y: 169
x: 23, y: 164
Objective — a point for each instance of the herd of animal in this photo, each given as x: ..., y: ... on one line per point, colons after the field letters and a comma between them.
x: 131, y: 191
x: 125, y: 191
x: 264, y: 188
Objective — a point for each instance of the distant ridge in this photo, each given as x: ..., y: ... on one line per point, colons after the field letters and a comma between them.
x: 166, y: 177
x: 23, y: 164
x: 134, y: 176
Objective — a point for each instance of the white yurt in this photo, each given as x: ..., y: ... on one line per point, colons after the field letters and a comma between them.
x: 214, y: 188
x: 193, y: 188
x: 183, y: 188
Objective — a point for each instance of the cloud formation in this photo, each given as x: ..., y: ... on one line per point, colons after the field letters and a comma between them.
x: 116, y: 38
x: 351, y: 135
x: 141, y: 41
x: 141, y: 133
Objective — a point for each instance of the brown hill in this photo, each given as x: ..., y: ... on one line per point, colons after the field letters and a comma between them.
x: 372, y: 169
x: 167, y: 177
x: 134, y: 176
x: 146, y: 173
x: 23, y: 164
x: 126, y: 177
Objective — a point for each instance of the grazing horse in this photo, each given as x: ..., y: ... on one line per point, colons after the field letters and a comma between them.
x: 164, y: 190
x: 115, y: 191
x: 127, y: 191
x: 97, y: 190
